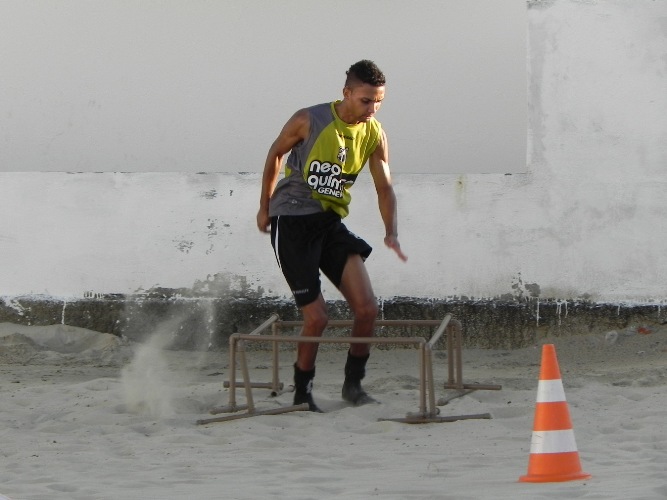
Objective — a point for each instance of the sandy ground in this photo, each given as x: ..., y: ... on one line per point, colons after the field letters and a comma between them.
x: 88, y: 416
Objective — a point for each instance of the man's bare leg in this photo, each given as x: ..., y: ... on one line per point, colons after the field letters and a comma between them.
x: 314, y: 322
x: 357, y: 290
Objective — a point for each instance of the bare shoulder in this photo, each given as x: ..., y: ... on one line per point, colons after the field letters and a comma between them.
x: 381, y: 152
x: 301, y: 118
x: 301, y: 115
x: 298, y: 126
x: 383, y: 142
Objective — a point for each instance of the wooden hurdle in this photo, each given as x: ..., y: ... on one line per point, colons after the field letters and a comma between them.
x: 427, y: 410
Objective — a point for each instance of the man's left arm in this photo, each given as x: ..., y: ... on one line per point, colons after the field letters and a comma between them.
x: 379, y: 166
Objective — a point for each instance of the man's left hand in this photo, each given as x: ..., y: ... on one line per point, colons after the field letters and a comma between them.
x: 392, y: 242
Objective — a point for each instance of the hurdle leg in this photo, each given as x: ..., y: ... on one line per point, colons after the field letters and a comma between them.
x: 231, y: 399
x: 433, y: 411
x: 232, y: 382
x: 455, y: 362
x: 275, y: 385
x: 452, y: 359
x: 422, y: 379
x: 275, y: 379
x: 246, y: 378
x: 428, y: 378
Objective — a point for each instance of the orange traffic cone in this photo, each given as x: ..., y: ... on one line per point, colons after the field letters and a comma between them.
x: 553, y: 450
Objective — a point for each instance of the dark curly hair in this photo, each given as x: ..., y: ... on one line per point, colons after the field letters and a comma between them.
x: 364, y: 71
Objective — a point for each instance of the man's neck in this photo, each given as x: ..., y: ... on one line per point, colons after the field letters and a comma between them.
x: 341, y: 111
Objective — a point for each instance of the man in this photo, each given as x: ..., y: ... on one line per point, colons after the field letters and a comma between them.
x: 329, y: 144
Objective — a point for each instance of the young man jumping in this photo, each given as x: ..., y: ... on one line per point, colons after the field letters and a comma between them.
x: 328, y: 146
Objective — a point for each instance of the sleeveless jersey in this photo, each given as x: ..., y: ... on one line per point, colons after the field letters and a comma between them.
x: 321, y: 169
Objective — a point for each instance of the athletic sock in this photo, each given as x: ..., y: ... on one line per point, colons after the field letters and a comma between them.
x: 303, y: 387
x: 355, y: 371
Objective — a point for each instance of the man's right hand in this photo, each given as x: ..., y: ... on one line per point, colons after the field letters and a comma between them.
x: 263, y: 220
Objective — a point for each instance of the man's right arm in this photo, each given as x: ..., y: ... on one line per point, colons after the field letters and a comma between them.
x: 295, y: 130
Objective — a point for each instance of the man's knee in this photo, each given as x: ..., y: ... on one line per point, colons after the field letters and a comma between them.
x: 316, y: 323
x: 315, y: 319
x: 366, y: 311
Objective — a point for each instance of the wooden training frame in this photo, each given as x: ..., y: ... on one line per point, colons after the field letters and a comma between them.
x: 428, y: 412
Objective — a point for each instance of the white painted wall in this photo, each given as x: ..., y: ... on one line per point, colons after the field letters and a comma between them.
x: 588, y: 219
x: 197, y: 85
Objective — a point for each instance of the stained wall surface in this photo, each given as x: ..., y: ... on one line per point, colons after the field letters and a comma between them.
x: 586, y: 219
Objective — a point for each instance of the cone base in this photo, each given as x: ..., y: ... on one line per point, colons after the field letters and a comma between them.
x: 553, y: 478
x: 554, y: 467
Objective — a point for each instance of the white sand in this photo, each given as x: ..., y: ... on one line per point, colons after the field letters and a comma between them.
x: 86, y: 416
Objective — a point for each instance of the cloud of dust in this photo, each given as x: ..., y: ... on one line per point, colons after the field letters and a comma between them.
x: 149, y: 386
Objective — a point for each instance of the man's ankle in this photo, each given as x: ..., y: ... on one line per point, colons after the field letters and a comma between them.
x: 303, y: 387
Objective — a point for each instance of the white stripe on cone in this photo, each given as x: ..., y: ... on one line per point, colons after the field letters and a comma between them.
x: 553, y: 441
x: 550, y: 391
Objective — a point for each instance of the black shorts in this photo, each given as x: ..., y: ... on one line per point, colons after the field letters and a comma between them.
x: 304, y: 244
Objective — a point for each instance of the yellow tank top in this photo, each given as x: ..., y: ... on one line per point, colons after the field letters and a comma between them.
x: 320, y: 170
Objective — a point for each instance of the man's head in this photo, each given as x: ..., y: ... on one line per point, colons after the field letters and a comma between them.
x: 363, y: 92
x: 364, y: 71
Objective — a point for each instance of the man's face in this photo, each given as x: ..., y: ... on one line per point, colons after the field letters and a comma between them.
x: 364, y: 101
